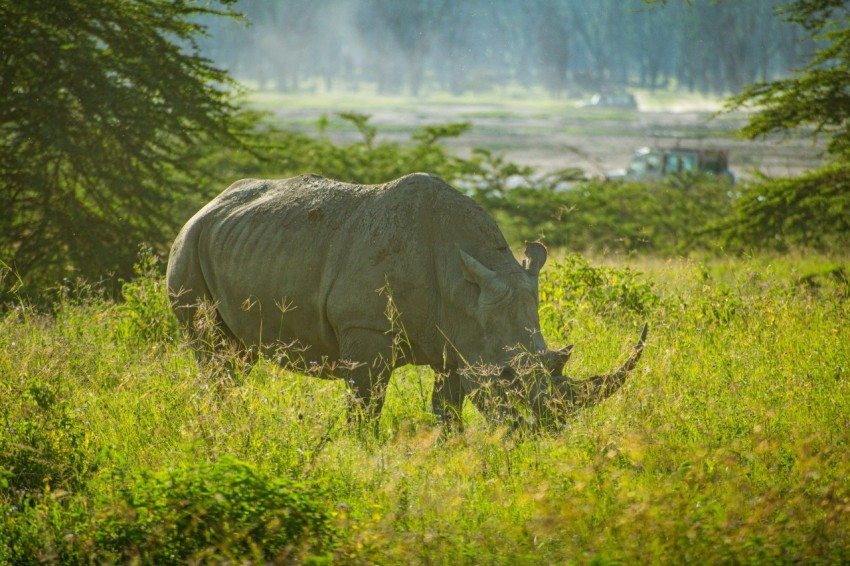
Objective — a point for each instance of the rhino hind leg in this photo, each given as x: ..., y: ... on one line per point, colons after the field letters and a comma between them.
x: 368, y: 357
x: 447, y: 398
x: 213, y: 344
x: 216, y: 347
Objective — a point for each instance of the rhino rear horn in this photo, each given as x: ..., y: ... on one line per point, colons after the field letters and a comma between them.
x: 555, y: 360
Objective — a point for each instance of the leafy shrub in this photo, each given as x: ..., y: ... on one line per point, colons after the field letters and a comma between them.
x: 227, y: 509
x: 573, y: 280
x: 811, y: 211
x: 212, y: 512
x: 572, y: 284
x: 671, y: 217
x: 44, y: 445
x: 146, y: 312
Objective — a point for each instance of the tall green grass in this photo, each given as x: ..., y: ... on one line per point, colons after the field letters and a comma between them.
x: 728, y: 444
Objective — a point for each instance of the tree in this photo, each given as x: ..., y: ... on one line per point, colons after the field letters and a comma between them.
x: 105, y: 106
x: 813, y: 208
x: 409, y: 28
x: 816, y: 100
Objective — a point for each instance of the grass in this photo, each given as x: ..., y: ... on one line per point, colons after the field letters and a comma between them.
x: 728, y: 444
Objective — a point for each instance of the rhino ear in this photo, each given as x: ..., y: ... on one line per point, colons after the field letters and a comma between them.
x: 492, y: 286
x: 535, y: 258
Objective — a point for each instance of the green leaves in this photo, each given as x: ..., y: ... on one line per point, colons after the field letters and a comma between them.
x: 671, y: 217
x: 226, y: 509
x: 815, y: 102
x: 810, y: 211
x: 572, y: 289
x: 606, y: 290
x: 104, y: 105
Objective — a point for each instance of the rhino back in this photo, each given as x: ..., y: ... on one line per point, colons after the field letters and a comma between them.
x: 321, y: 250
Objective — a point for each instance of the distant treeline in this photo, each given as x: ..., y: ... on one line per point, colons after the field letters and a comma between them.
x: 569, y: 47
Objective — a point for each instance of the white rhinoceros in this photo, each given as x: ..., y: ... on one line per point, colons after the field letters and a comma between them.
x: 313, y: 261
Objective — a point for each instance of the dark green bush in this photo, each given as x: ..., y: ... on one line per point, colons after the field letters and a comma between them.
x: 810, y: 211
x: 224, y: 510
x: 668, y: 218
x: 44, y: 445
x: 212, y: 512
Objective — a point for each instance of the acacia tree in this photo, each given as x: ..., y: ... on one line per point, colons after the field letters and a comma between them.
x: 105, y: 107
x: 818, y: 96
x: 814, y: 209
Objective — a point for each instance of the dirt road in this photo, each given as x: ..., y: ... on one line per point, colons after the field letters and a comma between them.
x: 596, y: 140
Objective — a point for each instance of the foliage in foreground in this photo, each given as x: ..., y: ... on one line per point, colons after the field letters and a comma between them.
x: 730, y: 443
x: 226, y: 510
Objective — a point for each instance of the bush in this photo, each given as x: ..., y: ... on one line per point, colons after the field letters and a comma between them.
x: 669, y: 218
x: 146, y: 310
x: 811, y: 211
x: 607, y: 290
x: 211, y: 512
x: 227, y: 510
x: 44, y: 445
x: 572, y: 285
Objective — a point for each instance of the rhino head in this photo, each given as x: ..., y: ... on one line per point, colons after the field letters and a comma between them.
x: 516, y: 372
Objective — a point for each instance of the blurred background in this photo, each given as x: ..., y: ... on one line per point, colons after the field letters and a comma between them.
x: 662, y: 127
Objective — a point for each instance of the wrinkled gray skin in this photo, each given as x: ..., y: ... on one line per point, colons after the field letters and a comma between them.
x: 322, y: 250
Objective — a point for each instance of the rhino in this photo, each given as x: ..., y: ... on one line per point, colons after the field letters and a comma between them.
x: 367, y: 278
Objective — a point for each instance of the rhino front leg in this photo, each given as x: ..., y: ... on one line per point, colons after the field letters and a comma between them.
x: 369, y: 356
x: 447, y: 398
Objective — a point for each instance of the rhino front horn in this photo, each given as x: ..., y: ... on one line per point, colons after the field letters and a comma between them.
x: 599, y: 387
x: 635, y: 357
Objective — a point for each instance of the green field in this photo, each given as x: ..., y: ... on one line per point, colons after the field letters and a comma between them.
x: 729, y: 443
